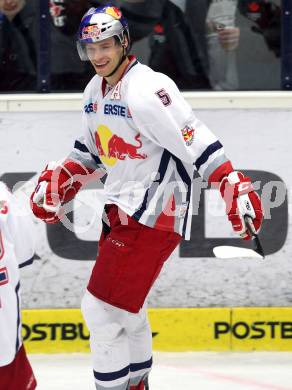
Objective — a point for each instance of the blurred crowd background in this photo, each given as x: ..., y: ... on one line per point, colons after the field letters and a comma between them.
x: 205, y: 45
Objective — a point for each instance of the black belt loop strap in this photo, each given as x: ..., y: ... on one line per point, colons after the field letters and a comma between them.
x: 105, y: 221
x: 44, y: 47
x: 286, y: 45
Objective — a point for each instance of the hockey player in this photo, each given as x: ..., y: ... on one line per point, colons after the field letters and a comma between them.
x: 144, y: 141
x: 16, y: 251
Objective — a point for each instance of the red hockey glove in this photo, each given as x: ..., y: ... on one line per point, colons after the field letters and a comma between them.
x: 241, y: 201
x: 57, y: 185
x: 44, y: 205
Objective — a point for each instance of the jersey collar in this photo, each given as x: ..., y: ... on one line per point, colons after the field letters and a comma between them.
x: 131, y: 64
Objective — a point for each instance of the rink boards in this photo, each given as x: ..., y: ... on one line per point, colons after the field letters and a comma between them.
x: 181, y: 329
x: 258, y: 141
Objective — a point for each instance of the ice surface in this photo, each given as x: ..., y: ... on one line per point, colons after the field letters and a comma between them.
x: 177, y: 371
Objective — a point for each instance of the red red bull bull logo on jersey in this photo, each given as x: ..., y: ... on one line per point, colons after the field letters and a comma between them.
x: 188, y: 134
x: 100, y: 150
x: 120, y: 149
x: 111, y: 148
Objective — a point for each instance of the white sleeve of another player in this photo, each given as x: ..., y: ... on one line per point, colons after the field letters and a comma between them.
x: 21, y: 231
x: 161, y: 113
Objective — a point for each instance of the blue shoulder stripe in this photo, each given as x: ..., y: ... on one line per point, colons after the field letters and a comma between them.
x: 83, y: 148
x: 79, y: 146
x: 27, y: 262
x: 188, y: 181
x: 207, y: 153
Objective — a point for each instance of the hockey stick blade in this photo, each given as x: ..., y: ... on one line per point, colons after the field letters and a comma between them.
x: 229, y: 252
x: 255, y: 238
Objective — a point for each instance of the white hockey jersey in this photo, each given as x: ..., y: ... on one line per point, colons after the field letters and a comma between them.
x: 146, y: 138
x: 16, y: 250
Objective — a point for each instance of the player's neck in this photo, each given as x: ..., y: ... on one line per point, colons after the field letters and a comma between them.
x: 112, y: 80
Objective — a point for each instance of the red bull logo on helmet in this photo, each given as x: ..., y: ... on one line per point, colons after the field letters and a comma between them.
x: 112, y: 148
x: 91, y: 32
x: 114, y: 12
x: 188, y: 135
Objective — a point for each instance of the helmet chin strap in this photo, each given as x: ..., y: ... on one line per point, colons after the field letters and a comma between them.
x: 122, y: 59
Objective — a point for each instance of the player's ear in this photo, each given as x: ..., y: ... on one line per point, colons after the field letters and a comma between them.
x: 125, y: 42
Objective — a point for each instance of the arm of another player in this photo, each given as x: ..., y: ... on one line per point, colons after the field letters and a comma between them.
x: 162, y: 114
x: 16, y: 217
x: 23, y: 232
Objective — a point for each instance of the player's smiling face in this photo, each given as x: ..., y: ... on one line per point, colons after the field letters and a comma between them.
x: 104, y: 55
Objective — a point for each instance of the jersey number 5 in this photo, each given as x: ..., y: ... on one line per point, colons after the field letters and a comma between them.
x: 164, y: 97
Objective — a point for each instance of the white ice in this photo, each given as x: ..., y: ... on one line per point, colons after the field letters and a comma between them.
x: 177, y: 371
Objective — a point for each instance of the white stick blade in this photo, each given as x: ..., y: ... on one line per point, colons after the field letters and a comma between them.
x: 230, y: 252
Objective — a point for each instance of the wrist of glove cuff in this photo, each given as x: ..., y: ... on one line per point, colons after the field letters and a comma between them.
x: 65, y: 180
x: 46, y: 216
